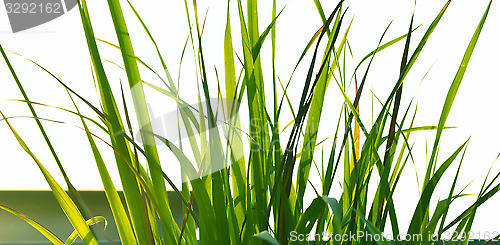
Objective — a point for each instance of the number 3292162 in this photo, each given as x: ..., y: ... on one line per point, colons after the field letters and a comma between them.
x: 33, y: 8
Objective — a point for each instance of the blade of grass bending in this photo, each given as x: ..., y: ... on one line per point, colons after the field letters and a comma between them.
x: 452, y: 92
x: 89, y: 222
x: 258, y: 44
x: 46, y: 233
x: 65, y: 202
x: 382, y: 47
x: 122, y: 154
x: 119, y: 214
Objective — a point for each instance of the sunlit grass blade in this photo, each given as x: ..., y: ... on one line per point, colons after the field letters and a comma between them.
x: 90, y: 222
x: 235, y: 142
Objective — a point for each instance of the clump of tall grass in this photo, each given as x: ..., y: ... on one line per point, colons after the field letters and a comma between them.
x: 258, y: 197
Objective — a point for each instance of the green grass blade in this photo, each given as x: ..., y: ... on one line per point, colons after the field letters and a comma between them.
x: 452, y: 92
x: 89, y: 222
x: 234, y: 136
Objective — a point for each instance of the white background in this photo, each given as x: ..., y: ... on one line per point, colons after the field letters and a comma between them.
x: 60, y: 47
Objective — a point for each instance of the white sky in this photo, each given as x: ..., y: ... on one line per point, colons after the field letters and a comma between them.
x: 60, y: 47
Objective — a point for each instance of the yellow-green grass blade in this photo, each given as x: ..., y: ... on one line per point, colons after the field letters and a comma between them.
x: 321, y: 12
x: 119, y: 214
x: 89, y: 222
x: 65, y: 202
x: 234, y: 136
x: 258, y: 44
x: 382, y: 47
x: 44, y: 231
x: 122, y: 152
x: 452, y: 92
